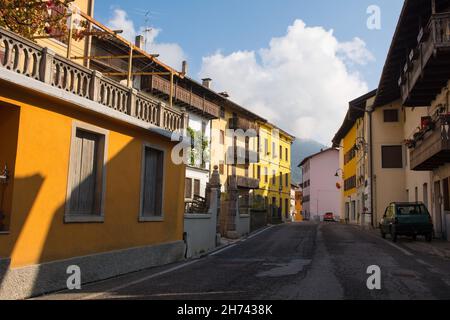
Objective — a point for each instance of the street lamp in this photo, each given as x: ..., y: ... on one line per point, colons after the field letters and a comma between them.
x: 337, y: 173
x: 361, y: 142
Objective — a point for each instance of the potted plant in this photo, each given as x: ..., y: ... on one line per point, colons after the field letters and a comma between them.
x: 410, y: 143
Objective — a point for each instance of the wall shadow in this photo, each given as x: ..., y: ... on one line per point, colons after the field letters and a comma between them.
x: 120, y: 229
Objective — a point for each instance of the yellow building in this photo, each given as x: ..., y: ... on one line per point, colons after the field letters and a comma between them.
x: 274, y: 171
x: 88, y: 180
x: 234, y: 152
x: 296, y: 203
x: 352, y: 140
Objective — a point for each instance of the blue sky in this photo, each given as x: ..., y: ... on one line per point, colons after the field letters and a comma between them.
x: 202, y: 28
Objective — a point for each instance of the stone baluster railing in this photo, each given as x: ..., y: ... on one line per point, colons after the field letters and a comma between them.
x: 25, y: 57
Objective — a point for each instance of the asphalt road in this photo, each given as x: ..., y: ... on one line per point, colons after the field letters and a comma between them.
x: 289, y: 262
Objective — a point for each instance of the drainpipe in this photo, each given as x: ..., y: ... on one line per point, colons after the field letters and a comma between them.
x: 369, y: 111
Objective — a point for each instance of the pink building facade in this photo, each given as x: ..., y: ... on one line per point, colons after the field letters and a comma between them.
x: 321, y: 179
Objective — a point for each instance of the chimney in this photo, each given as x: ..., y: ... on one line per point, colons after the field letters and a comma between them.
x: 207, y: 83
x: 140, y: 42
x: 185, y: 67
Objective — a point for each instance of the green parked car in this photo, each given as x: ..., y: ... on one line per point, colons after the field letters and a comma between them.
x: 408, y: 219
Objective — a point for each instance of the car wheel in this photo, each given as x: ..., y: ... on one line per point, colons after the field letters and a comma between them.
x: 429, y: 237
x: 394, y: 236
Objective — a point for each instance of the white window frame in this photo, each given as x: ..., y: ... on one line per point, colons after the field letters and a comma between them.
x: 143, y: 218
x: 75, y: 218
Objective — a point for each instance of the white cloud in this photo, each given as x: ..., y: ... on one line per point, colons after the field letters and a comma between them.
x: 356, y: 51
x: 169, y: 53
x: 301, y: 81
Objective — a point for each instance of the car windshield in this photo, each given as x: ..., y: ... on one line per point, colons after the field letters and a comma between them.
x: 412, y: 209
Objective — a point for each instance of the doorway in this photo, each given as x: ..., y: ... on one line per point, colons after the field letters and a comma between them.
x: 437, y: 209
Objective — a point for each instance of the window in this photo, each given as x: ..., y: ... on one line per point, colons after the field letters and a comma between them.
x: 266, y: 146
x: 274, y: 177
x: 350, y: 183
x: 188, y: 188
x: 152, y: 184
x: 221, y: 167
x: 85, y: 190
x: 390, y: 115
x: 445, y: 194
x: 392, y: 157
x: 266, y: 175
x: 350, y: 155
x: 281, y: 153
x: 222, y: 137
x: 274, y: 154
x: 416, y: 194
x: 196, y: 187
x: 353, y: 210
x: 286, y: 206
x: 281, y: 179
x: 287, y: 179
x: 425, y: 194
x: 287, y: 154
x: 258, y: 172
x: 222, y: 112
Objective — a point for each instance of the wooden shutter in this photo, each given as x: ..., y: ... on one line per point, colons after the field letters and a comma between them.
x: 153, y: 180
x: 446, y: 195
x: 86, y: 169
x: 222, y: 137
x: 392, y: 157
x: 390, y: 115
x: 196, y: 187
x: 188, y: 188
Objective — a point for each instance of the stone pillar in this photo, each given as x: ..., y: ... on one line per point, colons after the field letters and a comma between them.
x: 233, y: 210
x: 213, y: 193
x: 161, y: 115
x: 132, y: 102
x: 185, y: 122
x: 95, y: 86
x: 46, y: 66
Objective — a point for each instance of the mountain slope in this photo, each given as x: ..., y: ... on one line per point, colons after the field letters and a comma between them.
x: 302, y: 148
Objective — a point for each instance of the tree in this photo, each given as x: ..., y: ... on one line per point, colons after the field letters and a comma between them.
x: 29, y: 18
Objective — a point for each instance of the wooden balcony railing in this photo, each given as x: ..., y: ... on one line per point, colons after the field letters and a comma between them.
x: 182, y: 95
x: 427, y: 69
x: 242, y: 182
x: 25, y: 57
x: 433, y: 148
x: 237, y: 123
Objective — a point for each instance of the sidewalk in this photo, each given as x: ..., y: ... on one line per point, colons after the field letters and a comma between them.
x: 437, y: 247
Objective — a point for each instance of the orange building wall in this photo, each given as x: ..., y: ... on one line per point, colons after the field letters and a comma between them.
x: 37, y: 229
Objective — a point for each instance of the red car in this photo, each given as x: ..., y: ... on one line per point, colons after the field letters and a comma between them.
x: 328, y: 217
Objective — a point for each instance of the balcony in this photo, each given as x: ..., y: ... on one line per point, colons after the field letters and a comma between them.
x: 160, y: 86
x: 237, y: 123
x: 431, y: 149
x: 28, y: 59
x: 247, y: 183
x: 427, y: 69
x: 241, y: 155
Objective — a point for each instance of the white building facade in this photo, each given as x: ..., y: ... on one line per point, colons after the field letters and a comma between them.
x: 321, y: 192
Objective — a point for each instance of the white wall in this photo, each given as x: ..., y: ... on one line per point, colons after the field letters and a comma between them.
x: 199, y: 174
x: 325, y: 196
x: 388, y: 184
x: 200, y: 230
